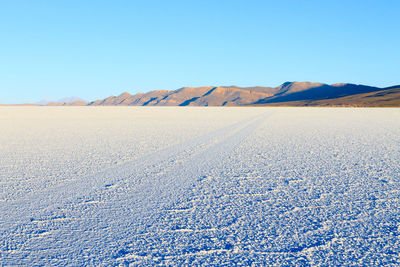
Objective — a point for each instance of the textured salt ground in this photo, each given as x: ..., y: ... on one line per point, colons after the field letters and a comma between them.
x: 200, y: 186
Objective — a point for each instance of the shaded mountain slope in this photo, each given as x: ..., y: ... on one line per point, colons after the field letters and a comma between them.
x: 308, y: 91
x: 388, y: 97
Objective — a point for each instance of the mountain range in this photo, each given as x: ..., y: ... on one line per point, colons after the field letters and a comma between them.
x: 287, y: 94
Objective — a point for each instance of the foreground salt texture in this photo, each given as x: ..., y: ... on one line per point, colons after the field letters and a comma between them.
x: 127, y: 185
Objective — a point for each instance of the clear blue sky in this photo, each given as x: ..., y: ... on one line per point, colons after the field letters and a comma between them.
x: 93, y: 49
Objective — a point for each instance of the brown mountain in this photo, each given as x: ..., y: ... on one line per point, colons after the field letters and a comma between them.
x: 287, y: 94
x: 192, y: 96
x: 388, y: 97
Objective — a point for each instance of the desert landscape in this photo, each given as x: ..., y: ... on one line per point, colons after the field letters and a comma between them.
x: 109, y: 186
x: 199, y: 133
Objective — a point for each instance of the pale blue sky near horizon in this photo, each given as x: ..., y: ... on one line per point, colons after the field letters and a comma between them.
x: 94, y: 49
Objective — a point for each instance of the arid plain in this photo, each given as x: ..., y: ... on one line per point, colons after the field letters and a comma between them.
x: 200, y: 185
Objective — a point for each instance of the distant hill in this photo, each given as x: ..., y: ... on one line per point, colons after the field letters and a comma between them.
x: 44, y: 101
x: 67, y: 101
x: 76, y: 103
x: 287, y: 94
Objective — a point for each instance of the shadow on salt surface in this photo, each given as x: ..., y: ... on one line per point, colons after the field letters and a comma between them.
x: 110, y: 186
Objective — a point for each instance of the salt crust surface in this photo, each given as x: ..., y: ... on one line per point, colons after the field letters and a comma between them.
x: 132, y: 185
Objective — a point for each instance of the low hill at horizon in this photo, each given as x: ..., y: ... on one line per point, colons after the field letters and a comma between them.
x: 69, y: 101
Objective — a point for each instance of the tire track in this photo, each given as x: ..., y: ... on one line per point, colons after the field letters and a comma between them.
x: 145, y: 205
x: 72, y: 189
x: 147, y: 196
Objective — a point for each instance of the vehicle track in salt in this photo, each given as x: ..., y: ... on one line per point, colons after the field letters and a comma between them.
x: 121, y: 199
x: 77, y: 186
